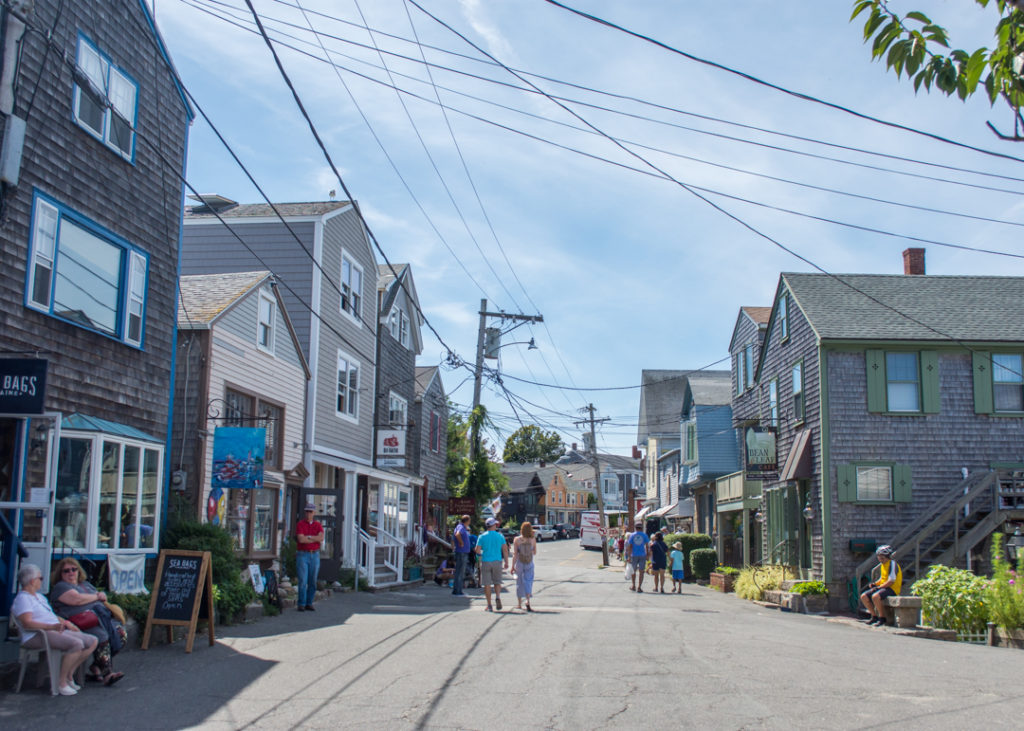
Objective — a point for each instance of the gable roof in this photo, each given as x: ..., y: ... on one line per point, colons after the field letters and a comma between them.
x: 975, y: 308
x: 425, y: 375
x: 759, y: 316
x: 204, y: 297
x: 265, y: 210
x: 661, y: 393
x: 389, y: 287
x: 706, y: 388
x: 523, y: 481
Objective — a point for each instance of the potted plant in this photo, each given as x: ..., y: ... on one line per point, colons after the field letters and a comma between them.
x: 413, y: 567
x: 723, y: 578
x: 815, y: 596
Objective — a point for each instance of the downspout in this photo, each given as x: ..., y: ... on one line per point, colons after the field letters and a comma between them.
x: 826, y: 489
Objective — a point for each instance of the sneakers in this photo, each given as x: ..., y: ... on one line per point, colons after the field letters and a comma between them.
x: 881, y: 622
x: 67, y: 690
x: 309, y: 608
x: 302, y: 607
x: 497, y: 602
x: 489, y: 608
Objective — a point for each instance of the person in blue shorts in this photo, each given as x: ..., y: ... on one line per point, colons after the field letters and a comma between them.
x: 676, y: 557
x: 638, y: 546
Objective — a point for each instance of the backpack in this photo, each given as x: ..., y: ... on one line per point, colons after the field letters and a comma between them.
x: 527, y: 556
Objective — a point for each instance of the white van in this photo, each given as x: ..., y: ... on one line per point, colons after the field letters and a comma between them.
x: 590, y: 526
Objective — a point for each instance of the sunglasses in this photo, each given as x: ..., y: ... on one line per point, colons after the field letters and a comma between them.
x: 69, y: 570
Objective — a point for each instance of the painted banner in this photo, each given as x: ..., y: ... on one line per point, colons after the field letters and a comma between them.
x: 762, y: 453
x: 238, y: 457
x: 127, y: 573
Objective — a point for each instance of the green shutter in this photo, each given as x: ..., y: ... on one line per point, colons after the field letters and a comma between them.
x: 901, y: 483
x: 982, y: 362
x: 930, y: 381
x: 846, y: 482
x: 874, y: 360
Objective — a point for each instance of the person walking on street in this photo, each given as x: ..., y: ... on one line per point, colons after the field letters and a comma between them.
x: 890, y: 581
x: 524, y: 548
x: 308, y: 536
x: 462, y: 547
x: 659, y: 561
x: 493, y: 551
x: 677, y: 567
x: 638, y: 545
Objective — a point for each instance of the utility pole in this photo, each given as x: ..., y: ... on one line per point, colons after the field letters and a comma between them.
x: 597, y: 477
x: 474, y: 443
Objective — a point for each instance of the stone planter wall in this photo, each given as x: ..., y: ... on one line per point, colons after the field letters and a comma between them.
x: 722, y: 582
x: 999, y: 637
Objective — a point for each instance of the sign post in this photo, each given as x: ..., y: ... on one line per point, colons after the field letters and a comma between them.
x: 184, y: 585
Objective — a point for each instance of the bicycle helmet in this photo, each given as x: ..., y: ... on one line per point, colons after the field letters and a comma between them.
x: 885, y: 550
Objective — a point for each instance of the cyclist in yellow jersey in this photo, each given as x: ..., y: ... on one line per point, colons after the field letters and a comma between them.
x: 890, y: 582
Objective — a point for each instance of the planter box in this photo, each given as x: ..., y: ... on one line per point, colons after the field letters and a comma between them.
x: 722, y: 582
x: 999, y: 637
x: 413, y: 573
x: 816, y: 604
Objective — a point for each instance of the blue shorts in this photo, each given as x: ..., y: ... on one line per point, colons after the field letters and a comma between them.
x: 677, y: 574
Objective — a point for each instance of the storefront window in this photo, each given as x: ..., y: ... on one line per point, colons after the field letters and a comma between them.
x: 129, y: 496
x: 250, y: 519
x: 108, y: 516
x: 72, y: 504
x: 147, y: 504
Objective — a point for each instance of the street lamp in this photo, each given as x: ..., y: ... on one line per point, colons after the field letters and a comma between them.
x: 494, y: 338
x: 1014, y: 544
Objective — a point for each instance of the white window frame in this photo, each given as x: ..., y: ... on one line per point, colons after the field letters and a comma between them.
x: 403, y: 328
x: 784, y: 316
x: 748, y: 366
x: 892, y: 383
x: 1006, y: 376
x: 398, y: 410
x: 351, y: 296
x: 264, y: 326
x: 871, y: 471
x: 350, y: 367
x: 798, y: 395
x: 118, y: 93
x: 44, y: 260
x: 773, y: 402
x: 393, y: 323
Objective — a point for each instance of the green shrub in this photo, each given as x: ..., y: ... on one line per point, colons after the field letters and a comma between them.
x: 135, y: 606
x: 727, y: 570
x: 690, y: 542
x: 347, y: 576
x: 703, y: 562
x: 1006, y: 592
x: 953, y: 599
x: 768, y: 578
x: 808, y: 588
x: 288, y: 551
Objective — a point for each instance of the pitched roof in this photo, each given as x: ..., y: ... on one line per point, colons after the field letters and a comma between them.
x: 759, y: 315
x: 385, y: 276
x: 708, y: 388
x: 264, y: 210
x: 975, y: 308
x: 205, y: 296
x: 661, y: 395
x: 523, y: 481
x: 424, y: 375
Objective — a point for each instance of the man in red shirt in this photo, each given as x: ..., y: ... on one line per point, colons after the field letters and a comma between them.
x: 308, y: 536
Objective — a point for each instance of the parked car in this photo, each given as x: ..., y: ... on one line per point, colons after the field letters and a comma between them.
x: 564, y: 530
x: 544, y: 532
x: 510, y: 534
x: 571, y: 531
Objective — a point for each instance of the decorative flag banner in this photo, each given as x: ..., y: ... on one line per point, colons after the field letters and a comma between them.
x: 238, y: 457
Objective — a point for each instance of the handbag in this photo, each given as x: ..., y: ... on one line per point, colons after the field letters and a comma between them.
x: 85, y: 620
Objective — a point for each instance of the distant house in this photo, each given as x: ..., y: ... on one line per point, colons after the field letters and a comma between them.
x: 94, y: 124
x: 889, y: 389
x: 524, y: 498
x: 661, y: 395
x: 429, y: 435
x: 240, y: 365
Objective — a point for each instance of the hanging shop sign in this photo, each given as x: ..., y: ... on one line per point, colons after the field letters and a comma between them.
x: 762, y: 452
x: 22, y: 385
x: 391, y: 448
x: 238, y: 457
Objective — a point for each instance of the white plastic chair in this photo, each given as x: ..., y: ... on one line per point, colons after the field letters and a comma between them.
x: 53, y: 661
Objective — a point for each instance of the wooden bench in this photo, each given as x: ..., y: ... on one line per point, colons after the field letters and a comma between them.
x: 905, y: 610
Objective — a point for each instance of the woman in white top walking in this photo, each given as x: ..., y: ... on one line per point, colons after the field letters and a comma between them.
x: 524, y: 549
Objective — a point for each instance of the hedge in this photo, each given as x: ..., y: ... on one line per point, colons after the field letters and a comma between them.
x: 703, y: 562
x: 690, y: 542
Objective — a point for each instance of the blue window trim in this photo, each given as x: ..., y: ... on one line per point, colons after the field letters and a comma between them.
x: 63, y: 211
x: 135, y: 113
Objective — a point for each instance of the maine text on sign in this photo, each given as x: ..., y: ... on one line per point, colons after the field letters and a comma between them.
x: 22, y: 385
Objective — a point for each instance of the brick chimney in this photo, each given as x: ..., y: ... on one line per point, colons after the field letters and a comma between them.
x: 913, y: 261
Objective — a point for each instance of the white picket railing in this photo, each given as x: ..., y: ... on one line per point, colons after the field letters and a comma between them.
x: 366, y: 551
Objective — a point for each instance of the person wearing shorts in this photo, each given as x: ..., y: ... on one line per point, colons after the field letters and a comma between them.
x: 676, y: 557
x: 639, y: 547
x: 890, y: 581
x: 493, y: 551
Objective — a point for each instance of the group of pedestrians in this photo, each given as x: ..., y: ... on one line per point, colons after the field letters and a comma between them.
x: 492, y: 550
x: 642, y: 552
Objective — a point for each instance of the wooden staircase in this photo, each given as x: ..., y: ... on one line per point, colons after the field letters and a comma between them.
x: 964, y: 517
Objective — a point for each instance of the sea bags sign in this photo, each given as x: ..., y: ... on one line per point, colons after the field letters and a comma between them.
x: 22, y: 385
x: 762, y: 453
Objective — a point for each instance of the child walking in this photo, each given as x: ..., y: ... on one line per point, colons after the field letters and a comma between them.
x: 677, y: 567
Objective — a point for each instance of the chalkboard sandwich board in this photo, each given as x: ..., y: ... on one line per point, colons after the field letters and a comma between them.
x: 184, y: 586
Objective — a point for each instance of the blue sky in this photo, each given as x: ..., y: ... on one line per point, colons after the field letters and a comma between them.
x: 630, y: 271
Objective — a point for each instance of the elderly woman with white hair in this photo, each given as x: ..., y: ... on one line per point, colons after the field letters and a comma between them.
x: 36, y: 617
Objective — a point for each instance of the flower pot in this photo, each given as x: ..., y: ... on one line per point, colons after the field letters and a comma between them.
x: 413, y: 573
x: 815, y: 603
x: 722, y: 582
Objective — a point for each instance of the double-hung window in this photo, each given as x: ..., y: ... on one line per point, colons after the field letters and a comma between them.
x: 798, y: 392
x: 691, y: 441
x: 740, y: 379
x: 403, y: 329
x: 265, y: 326
x: 773, y: 402
x: 398, y: 409
x: 867, y: 482
x: 84, y: 274
x: 1007, y: 382
x: 748, y: 366
x: 351, y: 287
x: 783, y: 315
x: 902, y: 382
x: 347, y: 404
x: 105, y: 99
x: 435, y: 432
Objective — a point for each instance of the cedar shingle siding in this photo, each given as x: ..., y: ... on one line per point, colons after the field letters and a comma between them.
x: 139, y: 201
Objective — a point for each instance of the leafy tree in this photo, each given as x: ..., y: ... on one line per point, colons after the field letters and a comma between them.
x: 530, y: 444
x: 478, y: 478
x: 913, y: 45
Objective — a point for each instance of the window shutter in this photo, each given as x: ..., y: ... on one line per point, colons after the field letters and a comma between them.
x: 930, y: 381
x: 874, y: 361
x: 982, y: 363
x: 901, y: 483
x: 846, y: 477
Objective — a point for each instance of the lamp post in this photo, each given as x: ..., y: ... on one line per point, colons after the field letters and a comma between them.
x: 1014, y: 544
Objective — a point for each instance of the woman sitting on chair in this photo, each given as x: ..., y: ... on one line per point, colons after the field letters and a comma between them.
x: 36, y: 618
x: 77, y: 600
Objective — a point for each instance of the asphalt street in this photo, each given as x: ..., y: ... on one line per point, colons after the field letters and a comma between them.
x: 593, y: 655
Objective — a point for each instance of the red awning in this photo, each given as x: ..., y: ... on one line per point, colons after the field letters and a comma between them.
x: 798, y: 464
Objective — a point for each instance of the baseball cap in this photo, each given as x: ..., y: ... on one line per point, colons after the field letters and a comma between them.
x: 490, y: 521
x: 311, y: 506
